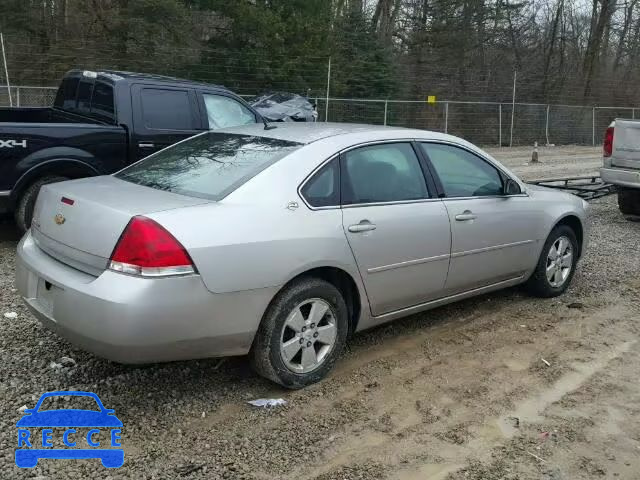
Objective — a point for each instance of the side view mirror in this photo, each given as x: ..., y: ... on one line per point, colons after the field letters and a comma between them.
x: 511, y: 187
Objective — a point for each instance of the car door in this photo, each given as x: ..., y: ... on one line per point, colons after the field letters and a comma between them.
x: 493, y: 234
x: 162, y: 116
x: 398, y: 231
x: 223, y: 111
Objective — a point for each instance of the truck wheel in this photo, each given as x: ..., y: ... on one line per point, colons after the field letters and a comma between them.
x: 302, y: 334
x: 26, y: 202
x: 629, y: 201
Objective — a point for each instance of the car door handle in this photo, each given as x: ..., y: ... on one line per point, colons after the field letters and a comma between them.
x: 146, y: 145
x: 363, y: 226
x: 466, y: 215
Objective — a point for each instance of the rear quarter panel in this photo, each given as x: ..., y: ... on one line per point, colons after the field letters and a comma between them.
x: 243, y: 247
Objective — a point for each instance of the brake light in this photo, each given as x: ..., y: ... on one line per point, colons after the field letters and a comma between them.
x: 147, y: 249
x: 607, y: 146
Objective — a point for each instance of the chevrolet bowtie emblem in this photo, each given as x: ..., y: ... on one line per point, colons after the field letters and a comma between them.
x: 59, y: 219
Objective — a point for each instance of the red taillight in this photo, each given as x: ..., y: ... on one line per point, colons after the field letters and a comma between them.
x: 607, y: 146
x: 145, y: 248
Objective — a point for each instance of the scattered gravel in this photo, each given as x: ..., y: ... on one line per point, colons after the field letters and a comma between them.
x: 418, y: 398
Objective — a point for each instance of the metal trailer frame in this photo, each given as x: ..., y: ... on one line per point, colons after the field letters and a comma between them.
x: 588, y: 187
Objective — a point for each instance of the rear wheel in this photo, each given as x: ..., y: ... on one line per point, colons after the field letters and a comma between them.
x: 629, y: 202
x: 556, y: 265
x: 27, y: 201
x: 302, y: 334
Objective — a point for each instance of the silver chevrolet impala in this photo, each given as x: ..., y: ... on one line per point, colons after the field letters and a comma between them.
x: 283, y: 242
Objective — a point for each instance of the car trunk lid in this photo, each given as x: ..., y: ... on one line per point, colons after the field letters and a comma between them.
x: 79, y: 222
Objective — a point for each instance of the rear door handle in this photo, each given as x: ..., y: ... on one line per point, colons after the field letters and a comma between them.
x: 466, y: 215
x: 146, y: 145
x: 363, y: 226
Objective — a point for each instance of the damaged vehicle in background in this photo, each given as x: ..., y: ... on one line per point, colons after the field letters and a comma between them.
x: 282, y: 242
x: 101, y: 122
x: 285, y: 107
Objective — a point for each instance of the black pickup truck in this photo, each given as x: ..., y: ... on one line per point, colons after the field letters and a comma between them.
x: 99, y: 123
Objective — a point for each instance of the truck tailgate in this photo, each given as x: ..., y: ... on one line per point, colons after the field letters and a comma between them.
x: 626, y: 144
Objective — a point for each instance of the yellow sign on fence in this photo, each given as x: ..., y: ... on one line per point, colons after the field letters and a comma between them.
x: 431, y: 99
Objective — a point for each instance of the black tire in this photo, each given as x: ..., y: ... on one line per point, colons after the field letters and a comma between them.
x: 24, y: 208
x: 629, y: 202
x: 538, y: 284
x: 265, y: 352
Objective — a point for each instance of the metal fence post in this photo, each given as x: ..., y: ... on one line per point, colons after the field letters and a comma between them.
x: 546, y: 127
x: 513, y: 107
x: 633, y: 113
x: 326, y: 107
x: 386, y: 108
x: 593, y: 126
x: 18, y: 96
x: 446, y: 117
x: 500, y: 125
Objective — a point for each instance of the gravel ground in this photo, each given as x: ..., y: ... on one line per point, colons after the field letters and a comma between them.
x: 498, y: 387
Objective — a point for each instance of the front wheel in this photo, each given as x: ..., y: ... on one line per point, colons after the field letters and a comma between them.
x: 556, y: 265
x: 302, y: 334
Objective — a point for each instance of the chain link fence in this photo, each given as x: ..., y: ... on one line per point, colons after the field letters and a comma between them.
x: 483, y: 123
x: 23, y: 96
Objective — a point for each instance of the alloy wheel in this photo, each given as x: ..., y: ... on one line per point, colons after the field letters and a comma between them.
x: 559, y: 262
x: 308, y: 336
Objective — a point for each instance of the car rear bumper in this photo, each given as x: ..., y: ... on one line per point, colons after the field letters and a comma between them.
x: 621, y: 177
x: 137, y: 320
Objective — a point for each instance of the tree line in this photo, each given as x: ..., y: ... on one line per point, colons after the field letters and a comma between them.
x: 575, y: 52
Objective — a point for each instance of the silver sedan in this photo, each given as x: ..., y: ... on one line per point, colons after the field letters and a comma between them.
x: 281, y: 243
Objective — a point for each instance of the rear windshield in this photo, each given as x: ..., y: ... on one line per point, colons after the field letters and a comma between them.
x: 87, y: 97
x: 211, y: 165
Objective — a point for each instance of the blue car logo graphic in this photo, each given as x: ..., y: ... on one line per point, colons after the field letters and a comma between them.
x: 32, y: 448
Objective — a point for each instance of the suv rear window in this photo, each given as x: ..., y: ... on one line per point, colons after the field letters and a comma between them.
x: 211, y: 165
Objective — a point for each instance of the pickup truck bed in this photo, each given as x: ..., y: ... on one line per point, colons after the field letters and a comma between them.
x: 40, y: 115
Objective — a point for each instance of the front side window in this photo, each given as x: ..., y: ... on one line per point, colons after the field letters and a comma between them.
x: 462, y: 173
x: 323, y: 189
x: 387, y: 172
x: 209, y: 166
x: 166, y: 109
x: 226, y: 112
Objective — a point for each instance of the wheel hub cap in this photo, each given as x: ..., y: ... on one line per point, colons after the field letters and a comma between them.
x: 308, y: 336
x: 559, y: 262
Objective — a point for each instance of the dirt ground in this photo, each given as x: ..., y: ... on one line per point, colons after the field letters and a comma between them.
x: 498, y: 387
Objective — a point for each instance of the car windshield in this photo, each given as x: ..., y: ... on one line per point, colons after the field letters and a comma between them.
x: 79, y: 402
x: 209, y: 166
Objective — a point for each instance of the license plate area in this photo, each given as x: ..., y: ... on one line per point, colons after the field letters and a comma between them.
x: 45, y: 296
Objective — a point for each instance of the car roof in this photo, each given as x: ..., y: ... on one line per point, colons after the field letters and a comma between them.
x: 114, y: 76
x: 309, y: 132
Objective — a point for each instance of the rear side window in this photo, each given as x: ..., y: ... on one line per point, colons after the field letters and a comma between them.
x: 387, y: 172
x: 210, y: 165
x: 323, y: 188
x: 166, y: 109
